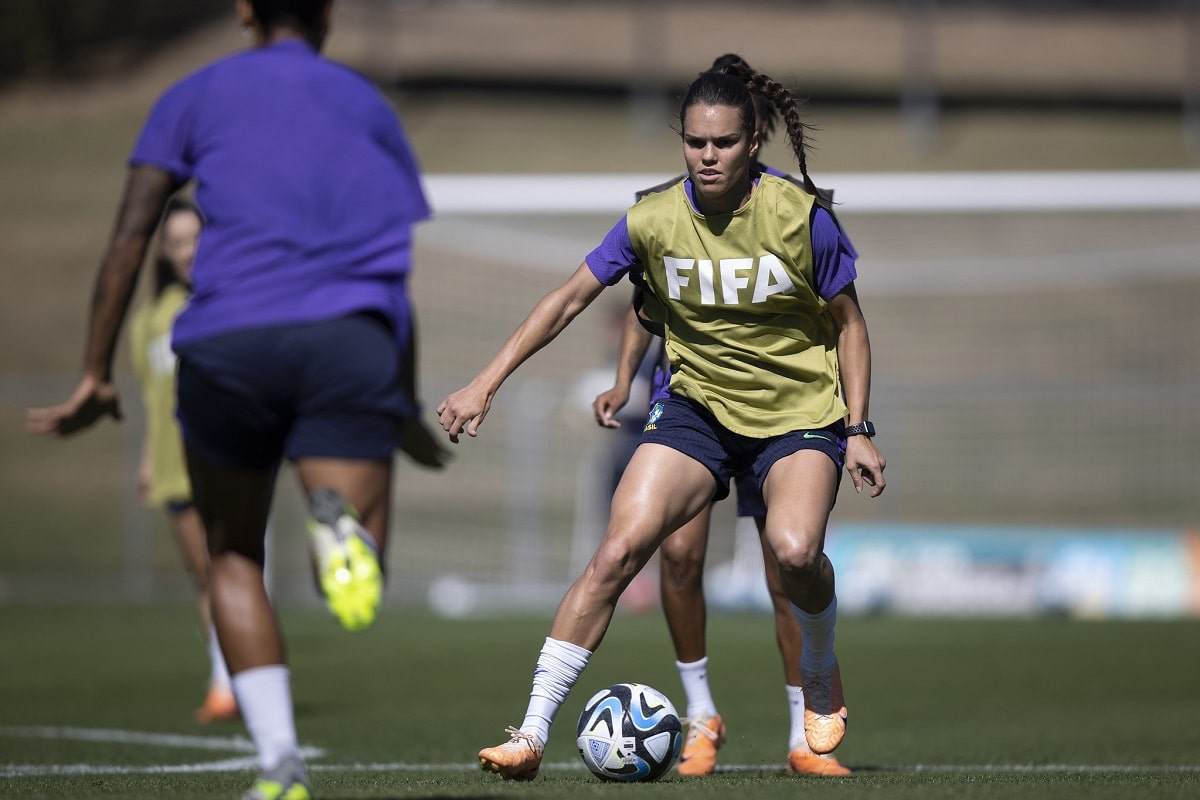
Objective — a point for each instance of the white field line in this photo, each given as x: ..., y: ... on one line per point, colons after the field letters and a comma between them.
x: 247, y: 763
x: 237, y: 744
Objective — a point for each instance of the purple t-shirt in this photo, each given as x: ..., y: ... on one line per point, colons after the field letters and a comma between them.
x: 307, y: 183
x: 834, y: 267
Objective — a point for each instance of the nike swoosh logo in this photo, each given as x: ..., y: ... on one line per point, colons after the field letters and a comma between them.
x: 821, y: 436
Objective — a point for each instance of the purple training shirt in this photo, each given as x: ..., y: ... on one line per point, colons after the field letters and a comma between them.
x: 307, y: 183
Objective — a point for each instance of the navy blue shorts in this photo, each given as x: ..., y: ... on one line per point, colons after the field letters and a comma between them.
x: 328, y: 389
x: 750, y: 501
x: 176, y: 507
x: 690, y: 428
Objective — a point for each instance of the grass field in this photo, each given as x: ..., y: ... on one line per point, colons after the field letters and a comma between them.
x: 1021, y: 403
x: 96, y: 703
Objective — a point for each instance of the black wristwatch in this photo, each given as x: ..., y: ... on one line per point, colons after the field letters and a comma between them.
x: 863, y: 428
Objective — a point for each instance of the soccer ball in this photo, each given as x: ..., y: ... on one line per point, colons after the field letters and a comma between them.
x: 629, y: 732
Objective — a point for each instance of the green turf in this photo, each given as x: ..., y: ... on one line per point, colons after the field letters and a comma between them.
x: 945, y: 708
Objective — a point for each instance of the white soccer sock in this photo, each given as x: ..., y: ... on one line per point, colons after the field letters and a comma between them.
x: 817, y: 632
x: 559, y: 666
x: 796, y: 738
x: 264, y: 696
x: 218, y: 674
x: 694, y: 676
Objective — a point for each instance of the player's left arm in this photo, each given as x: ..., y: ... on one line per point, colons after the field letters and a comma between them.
x: 864, y: 462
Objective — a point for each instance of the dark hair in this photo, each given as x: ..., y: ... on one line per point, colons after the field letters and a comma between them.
x: 719, y: 88
x: 765, y: 114
x: 304, y: 15
x: 164, y: 271
x: 736, y: 84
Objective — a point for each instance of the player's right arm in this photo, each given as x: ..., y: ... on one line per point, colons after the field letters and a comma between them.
x: 635, y: 340
x: 146, y: 192
x: 465, y: 409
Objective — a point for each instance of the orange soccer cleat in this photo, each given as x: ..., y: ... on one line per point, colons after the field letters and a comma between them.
x: 704, y: 739
x: 219, y: 705
x: 806, y: 762
x: 518, y: 759
x: 824, y: 710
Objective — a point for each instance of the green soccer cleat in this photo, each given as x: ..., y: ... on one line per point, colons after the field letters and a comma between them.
x: 345, y: 561
x: 287, y: 781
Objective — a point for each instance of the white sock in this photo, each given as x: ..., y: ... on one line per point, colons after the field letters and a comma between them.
x: 796, y: 740
x: 694, y: 676
x: 218, y: 674
x: 264, y: 696
x: 816, y: 630
x: 559, y: 666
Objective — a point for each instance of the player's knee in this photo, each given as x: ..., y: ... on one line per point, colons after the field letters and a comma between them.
x: 680, y: 570
x: 799, y: 559
x: 616, y: 561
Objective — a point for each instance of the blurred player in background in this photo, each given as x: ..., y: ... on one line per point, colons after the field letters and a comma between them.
x: 298, y: 341
x: 162, y: 471
x: 682, y: 554
x: 770, y: 376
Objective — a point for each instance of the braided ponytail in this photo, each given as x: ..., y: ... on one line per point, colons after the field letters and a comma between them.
x: 781, y: 99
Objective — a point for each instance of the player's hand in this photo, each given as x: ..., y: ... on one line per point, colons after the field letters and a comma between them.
x: 865, y: 464
x: 607, y: 404
x: 419, y: 444
x: 92, y: 399
x: 463, y: 411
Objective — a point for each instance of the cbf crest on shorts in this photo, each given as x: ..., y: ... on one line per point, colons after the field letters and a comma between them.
x: 656, y: 412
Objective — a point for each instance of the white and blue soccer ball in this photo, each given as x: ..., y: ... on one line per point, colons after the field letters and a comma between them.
x: 629, y: 732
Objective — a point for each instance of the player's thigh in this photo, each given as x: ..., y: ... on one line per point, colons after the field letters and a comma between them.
x: 799, y: 492
x: 662, y: 488
x: 234, y: 504
x: 689, y: 542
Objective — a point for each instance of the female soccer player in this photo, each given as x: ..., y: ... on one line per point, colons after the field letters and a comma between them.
x: 682, y: 554
x: 770, y: 364
x: 298, y: 340
x: 162, y: 471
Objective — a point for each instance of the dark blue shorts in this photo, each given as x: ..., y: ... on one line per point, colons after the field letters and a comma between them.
x: 750, y: 501
x: 688, y: 427
x: 176, y: 507
x: 328, y: 389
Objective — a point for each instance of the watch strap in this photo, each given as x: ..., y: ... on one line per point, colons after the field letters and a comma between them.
x: 863, y: 428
